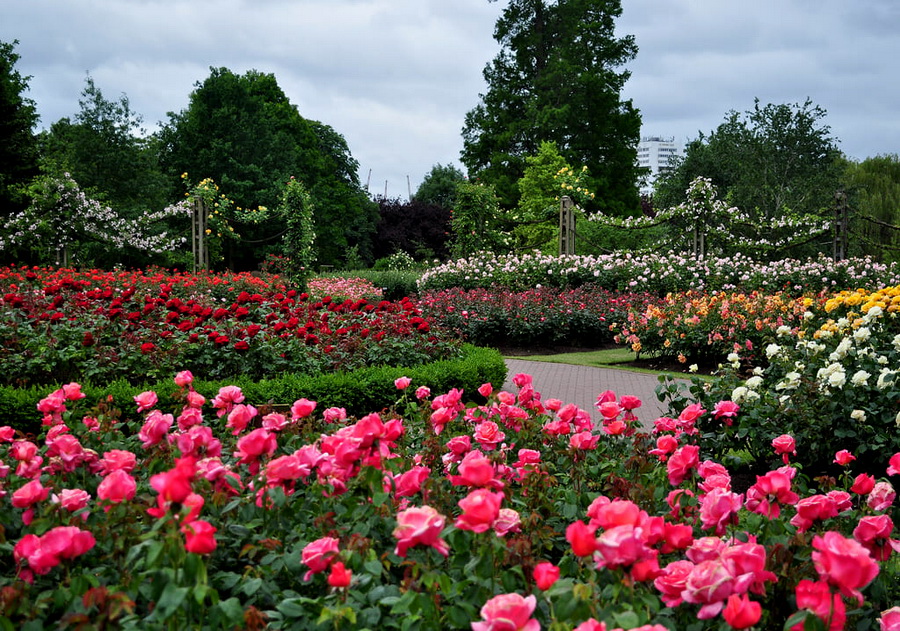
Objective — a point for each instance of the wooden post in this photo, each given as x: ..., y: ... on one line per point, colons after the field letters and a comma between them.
x: 198, y: 235
x: 566, y: 226
x: 840, y: 227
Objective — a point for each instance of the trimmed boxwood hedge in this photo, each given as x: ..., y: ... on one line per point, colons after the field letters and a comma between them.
x: 359, y: 392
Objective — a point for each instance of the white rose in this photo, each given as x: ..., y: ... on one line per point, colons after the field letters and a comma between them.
x: 772, y: 350
x: 837, y: 379
x: 862, y: 334
x: 858, y: 415
x: 860, y: 378
x: 740, y: 393
x: 754, y: 382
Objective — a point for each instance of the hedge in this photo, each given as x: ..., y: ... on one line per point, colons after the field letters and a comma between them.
x: 359, y: 392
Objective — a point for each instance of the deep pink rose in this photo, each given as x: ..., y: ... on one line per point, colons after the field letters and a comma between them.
x: 741, y: 613
x: 146, y: 400
x: 844, y: 563
x: 818, y: 598
x: 581, y: 537
x: 419, y: 526
x: 480, y: 509
x: 545, y: 574
x: 844, y: 457
x: 488, y: 435
x: 682, y: 462
x: 475, y: 470
x: 402, y: 383
x: 116, y: 487
x: 199, y: 537
x: 318, y: 554
x: 890, y: 619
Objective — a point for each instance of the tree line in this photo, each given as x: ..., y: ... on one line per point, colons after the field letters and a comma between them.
x: 550, y: 123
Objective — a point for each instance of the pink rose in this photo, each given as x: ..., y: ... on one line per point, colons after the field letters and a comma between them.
x: 863, y: 484
x: 508, y: 520
x: 184, y: 378
x: 145, y: 401
x: 155, y: 428
x: 890, y: 619
x: 785, y: 445
x: 844, y: 563
x: 199, y: 537
x: 419, y: 526
x: 116, y: 487
x: 818, y: 598
x: 480, y: 509
x: 741, y: 613
x: 402, y: 383
x: 709, y: 584
x: 682, y: 462
x: 844, y: 457
x: 581, y: 537
x: 488, y: 435
x: 508, y: 612
x: 894, y: 465
x: 882, y: 496
x: 545, y: 574
x: 474, y: 470
x: 318, y: 554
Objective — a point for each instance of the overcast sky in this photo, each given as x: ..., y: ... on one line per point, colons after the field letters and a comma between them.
x: 396, y: 77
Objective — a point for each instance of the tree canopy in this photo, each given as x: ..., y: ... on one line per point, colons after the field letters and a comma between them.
x: 242, y: 131
x: 439, y: 186
x: 769, y: 160
x: 873, y: 189
x: 558, y: 77
x: 18, y: 117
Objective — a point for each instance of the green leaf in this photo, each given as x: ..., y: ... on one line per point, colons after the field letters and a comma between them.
x: 627, y: 619
x: 251, y: 586
x: 292, y: 608
x: 170, y: 600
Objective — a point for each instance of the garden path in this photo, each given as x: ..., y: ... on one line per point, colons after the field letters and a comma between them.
x: 582, y: 384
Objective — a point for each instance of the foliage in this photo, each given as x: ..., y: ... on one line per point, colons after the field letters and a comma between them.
x: 438, y: 188
x: 557, y: 78
x: 64, y: 225
x: 546, y: 316
x: 298, y: 212
x: 766, y: 161
x: 243, y: 132
x: 420, y: 516
x: 106, y: 150
x: 475, y: 222
x: 874, y: 189
x: 62, y: 325
x: 18, y: 117
x: 357, y: 391
x: 657, y: 273
x: 829, y: 379
x: 418, y: 228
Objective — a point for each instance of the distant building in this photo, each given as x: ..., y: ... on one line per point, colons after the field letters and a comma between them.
x: 655, y: 153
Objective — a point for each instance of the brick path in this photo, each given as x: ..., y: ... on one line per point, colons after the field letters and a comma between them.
x: 582, y: 384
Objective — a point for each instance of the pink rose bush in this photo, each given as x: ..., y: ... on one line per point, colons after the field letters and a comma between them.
x: 207, y: 512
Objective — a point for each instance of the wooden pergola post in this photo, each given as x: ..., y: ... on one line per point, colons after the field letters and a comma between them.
x: 198, y: 235
x: 566, y: 226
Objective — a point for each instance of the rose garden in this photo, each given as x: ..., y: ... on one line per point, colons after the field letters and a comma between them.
x: 228, y: 451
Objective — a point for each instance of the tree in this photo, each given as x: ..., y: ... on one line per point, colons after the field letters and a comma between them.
x: 242, y: 131
x: 771, y: 162
x: 18, y: 117
x: 558, y: 78
x: 106, y: 150
x: 420, y: 229
x: 873, y: 187
x: 439, y: 186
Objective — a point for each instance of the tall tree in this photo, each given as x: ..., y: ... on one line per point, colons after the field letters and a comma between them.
x: 769, y: 161
x: 439, y: 186
x: 105, y: 149
x: 18, y: 117
x: 558, y: 77
x: 242, y: 131
x: 873, y: 186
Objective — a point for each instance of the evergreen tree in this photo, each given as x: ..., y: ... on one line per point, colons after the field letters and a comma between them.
x: 558, y: 77
x: 18, y: 148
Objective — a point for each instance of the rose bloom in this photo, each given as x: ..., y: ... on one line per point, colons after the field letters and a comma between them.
x: 890, y: 619
x: 863, y: 484
x: 507, y: 521
x: 844, y: 457
x: 671, y: 582
x: 882, y: 496
x: 339, y: 576
x: 199, y: 537
x: 545, y: 574
x: 844, y: 563
x: 474, y: 470
x: 740, y: 612
x: 488, y: 435
x: 682, y: 462
x: 508, y: 612
x: 818, y: 598
x: 894, y: 465
x: 874, y: 533
x: 317, y: 555
x: 145, y: 401
x: 581, y: 537
x: 116, y: 487
x: 785, y: 445
x: 184, y: 378
x: 419, y: 526
x: 481, y: 508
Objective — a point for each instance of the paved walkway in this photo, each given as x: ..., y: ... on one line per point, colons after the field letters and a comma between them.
x: 582, y: 384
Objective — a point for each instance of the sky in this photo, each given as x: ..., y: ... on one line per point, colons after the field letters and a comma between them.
x: 396, y: 77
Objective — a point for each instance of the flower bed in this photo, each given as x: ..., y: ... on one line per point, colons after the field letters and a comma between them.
x: 546, y: 316
x: 829, y: 377
x: 60, y: 325
x: 696, y: 326
x: 657, y: 273
x: 203, y: 511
